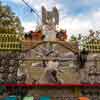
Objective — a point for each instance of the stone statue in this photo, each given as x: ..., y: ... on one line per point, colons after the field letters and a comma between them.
x: 50, y: 17
x: 49, y: 76
x: 49, y: 21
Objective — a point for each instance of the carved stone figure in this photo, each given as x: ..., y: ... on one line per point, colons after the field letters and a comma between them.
x: 49, y: 21
x: 50, y: 17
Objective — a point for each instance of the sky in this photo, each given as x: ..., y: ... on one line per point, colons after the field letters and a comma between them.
x: 76, y: 16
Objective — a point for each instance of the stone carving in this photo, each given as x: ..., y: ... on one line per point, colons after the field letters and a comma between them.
x: 50, y: 17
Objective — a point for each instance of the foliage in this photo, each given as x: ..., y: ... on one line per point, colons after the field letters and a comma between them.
x: 73, y: 39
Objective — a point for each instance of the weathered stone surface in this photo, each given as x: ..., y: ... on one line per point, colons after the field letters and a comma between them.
x: 91, y: 72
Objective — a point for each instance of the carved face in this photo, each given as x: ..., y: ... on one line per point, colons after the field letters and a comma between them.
x: 10, y: 77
